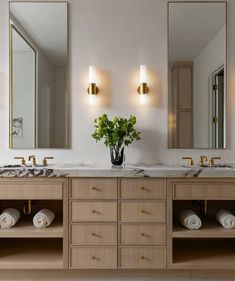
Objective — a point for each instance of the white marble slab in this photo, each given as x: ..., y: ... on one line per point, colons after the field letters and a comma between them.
x: 80, y: 170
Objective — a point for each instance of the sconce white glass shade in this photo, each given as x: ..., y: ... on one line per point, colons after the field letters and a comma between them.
x: 143, y: 74
x: 143, y: 99
x: 92, y: 74
x: 92, y: 99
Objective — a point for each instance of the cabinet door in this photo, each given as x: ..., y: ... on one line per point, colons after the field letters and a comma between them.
x: 185, y: 88
x: 185, y: 129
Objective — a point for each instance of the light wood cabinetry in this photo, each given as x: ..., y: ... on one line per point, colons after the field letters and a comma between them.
x: 123, y: 223
x: 212, y: 246
x: 142, y: 228
x: 27, y: 247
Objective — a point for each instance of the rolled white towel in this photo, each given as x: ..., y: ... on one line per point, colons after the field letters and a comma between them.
x: 190, y: 219
x: 43, y: 218
x: 226, y: 219
x: 9, y: 218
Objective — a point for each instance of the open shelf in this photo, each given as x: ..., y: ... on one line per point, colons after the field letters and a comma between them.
x: 26, y: 229
x: 210, y: 229
x: 31, y: 253
x: 204, y: 253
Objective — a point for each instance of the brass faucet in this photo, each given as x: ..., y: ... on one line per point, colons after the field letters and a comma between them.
x: 190, y: 160
x: 44, y: 161
x: 203, y: 158
x: 33, y: 158
x: 212, y: 161
x: 23, y: 162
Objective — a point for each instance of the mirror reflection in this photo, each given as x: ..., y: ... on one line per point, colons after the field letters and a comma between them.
x: 197, y: 75
x: 38, y: 75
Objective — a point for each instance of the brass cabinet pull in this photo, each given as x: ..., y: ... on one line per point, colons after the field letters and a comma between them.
x: 95, y: 188
x: 93, y: 258
x: 94, y: 211
x: 143, y: 257
x: 142, y: 234
x: 144, y: 212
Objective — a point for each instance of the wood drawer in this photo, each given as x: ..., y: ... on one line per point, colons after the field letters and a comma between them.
x: 93, y: 234
x: 143, y: 189
x: 143, y: 234
x: 31, y: 190
x: 93, y: 188
x: 90, y: 211
x: 143, y: 211
x: 213, y: 191
x: 93, y: 257
x: 142, y: 257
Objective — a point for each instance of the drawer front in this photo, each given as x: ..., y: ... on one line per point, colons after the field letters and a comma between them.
x: 216, y: 191
x: 143, y: 189
x: 93, y: 188
x: 18, y: 190
x: 93, y: 234
x: 144, y: 211
x: 142, y: 257
x: 143, y: 234
x: 81, y: 211
x: 93, y: 257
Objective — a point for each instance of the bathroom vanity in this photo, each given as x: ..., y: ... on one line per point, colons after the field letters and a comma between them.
x: 118, y: 218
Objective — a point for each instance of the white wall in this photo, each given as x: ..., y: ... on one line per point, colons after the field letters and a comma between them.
x: 24, y: 96
x: 116, y: 36
x: 209, y: 60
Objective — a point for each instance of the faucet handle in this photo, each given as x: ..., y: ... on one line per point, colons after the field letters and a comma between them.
x: 212, y: 161
x: 44, y: 161
x: 33, y: 158
x: 202, y: 159
x: 190, y: 160
x: 23, y: 162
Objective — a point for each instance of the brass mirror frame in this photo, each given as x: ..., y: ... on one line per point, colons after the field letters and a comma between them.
x: 68, y: 137
x: 225, y: 67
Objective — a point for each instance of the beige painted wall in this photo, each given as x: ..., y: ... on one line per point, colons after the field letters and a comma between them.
x: 116, y: 37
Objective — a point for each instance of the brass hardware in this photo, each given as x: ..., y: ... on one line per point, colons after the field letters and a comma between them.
x: 215, y: 119
x: 33, y: 158
x: 94, y: 211
x: 142, y: 234
x: 23, y: 162
x: 95, y: 188
x: 143, y: 88
x: 93, y: 89
x: 212, y: 161
x: 44, y: 161
x: 190, y: 160
x: 203, y: 158
x: 142, y: 257
x: 27, y: 209
x: 93, y: 234
x: 94, y: 258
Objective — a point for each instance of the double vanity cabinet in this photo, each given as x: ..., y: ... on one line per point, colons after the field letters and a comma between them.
x: 117, y: 223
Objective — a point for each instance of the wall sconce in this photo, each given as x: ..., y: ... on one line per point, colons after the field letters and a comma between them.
x: 92, y: 88
x: 143, y: 89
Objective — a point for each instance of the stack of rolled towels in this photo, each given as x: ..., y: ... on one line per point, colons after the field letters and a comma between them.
x: 10, y: 217
x: 226, y: 219
x: 190, y: 220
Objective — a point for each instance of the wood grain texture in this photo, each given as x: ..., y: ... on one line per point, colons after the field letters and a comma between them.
x: 143, y: 189
x: 93, y: 257
x: 93, y: 188
x: 86, y: 234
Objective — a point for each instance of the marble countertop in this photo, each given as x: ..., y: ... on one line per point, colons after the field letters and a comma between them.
x: 80, y: 170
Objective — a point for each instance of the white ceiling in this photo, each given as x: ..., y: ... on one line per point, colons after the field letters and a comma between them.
x: 192, y: 26
x: 46, y: 24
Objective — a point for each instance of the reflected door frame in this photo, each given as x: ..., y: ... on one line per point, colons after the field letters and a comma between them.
x: 213, y: 99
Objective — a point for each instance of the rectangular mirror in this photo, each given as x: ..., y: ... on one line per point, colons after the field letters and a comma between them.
x: 38, y: 75
x: 197, y: 93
